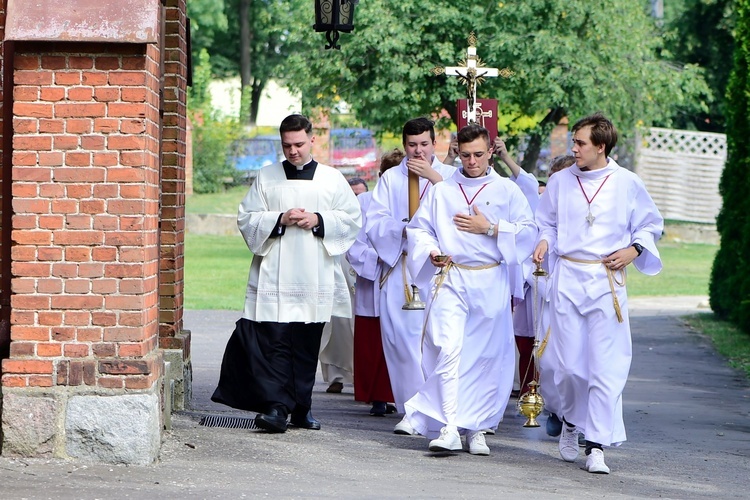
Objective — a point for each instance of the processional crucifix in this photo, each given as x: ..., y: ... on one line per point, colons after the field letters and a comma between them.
x: 472, y: 73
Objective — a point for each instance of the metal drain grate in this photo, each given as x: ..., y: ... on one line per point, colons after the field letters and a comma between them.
x: 228, y: 422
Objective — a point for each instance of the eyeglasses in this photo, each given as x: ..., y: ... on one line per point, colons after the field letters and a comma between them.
x: 477, y: 155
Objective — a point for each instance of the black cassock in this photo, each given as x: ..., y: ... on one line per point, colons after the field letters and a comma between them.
x: 267, y: 363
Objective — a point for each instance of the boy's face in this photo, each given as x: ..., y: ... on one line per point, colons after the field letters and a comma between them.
x: 419, y: 146
x: 475, y: 157
x: 588, y: 156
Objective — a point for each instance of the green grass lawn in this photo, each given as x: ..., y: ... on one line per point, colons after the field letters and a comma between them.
x: 225, y: 202
x: 216, y: 270
x: 687, y: 268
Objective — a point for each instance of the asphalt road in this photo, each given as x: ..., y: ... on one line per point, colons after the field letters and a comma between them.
x: 686, y: 412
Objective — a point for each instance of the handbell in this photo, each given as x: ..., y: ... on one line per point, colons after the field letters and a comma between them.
x: 415, y: 302
x: 531, y: 404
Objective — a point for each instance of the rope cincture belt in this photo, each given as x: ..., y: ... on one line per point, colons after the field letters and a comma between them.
x: 439, y: 282
x: 384, y: 277
x: 610, y: 277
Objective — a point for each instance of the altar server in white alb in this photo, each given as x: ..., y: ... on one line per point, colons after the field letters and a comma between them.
x: 476, y: 228
x: 297, y: 217
x: 387, y: 217
x: 594, y: 218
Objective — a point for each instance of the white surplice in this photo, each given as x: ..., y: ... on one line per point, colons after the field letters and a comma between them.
x: 401, y: 330
x: 468, y: 347
x: 589, y: 351
x: 337, y: 343
x: 295, y: 277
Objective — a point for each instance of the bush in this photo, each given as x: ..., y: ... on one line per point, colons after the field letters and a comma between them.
x: 729, y: 288
x: 213, y: 135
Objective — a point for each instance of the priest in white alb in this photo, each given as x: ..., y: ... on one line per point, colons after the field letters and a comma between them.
x: 297, y: 218
x: 477, y: 229
x: 595, y: 218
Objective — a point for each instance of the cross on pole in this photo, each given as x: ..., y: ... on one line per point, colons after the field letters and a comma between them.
x: 472, y: 72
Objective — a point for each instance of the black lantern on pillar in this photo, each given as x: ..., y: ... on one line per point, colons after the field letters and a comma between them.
x: 332, y: 17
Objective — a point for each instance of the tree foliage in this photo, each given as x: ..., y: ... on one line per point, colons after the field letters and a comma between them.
x: 701, y: 32
x: 567, y: 59
x: 730, y: 285
x: 269, y: 43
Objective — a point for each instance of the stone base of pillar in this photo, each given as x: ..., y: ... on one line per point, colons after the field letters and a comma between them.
x: 181, y: 373
x: 107, y: 428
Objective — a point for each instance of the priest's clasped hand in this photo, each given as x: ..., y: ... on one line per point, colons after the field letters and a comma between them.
x: 300, y: 218
x: 477, y: 224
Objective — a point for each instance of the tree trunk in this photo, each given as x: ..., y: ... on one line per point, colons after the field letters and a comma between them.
x: 531, y: 155
x: 246, y: 76
x: 258, y: 86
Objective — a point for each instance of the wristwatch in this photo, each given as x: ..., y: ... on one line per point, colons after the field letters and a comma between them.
x: 491, y: 230
x: 638, y: 248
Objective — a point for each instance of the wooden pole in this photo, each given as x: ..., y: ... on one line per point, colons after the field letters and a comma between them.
x: 413, y: 193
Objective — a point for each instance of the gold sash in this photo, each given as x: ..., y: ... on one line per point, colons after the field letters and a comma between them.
x: 610, y: 277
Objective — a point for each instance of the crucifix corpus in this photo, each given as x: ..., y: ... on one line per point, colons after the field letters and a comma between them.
x: 472, y: 72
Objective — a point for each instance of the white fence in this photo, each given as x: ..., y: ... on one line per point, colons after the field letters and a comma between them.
x: 681, y: 170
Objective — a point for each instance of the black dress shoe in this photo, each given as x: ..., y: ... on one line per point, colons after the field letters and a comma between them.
x: 273, y: 421
x: 305, y: 421
x: 378, y: 409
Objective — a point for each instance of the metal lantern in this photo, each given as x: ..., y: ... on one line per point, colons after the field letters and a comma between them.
x: 332, y: 17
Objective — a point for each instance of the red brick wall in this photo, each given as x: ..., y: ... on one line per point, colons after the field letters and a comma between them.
x: 86, y: 213
x: 171, y: 277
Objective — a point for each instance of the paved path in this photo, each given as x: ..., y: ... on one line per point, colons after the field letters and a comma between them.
x: 687, y: 416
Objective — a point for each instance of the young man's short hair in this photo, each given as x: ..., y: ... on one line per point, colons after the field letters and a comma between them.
x: 560, y: 163
x: 391, y: 159
x: 354, y: 181
x: 295, y: 123
x: 418, y: 126
x: 602, y: 131
x: 471, y: 133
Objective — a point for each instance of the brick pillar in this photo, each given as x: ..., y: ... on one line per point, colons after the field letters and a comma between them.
x: 85, y: 254
x: 173, y: 339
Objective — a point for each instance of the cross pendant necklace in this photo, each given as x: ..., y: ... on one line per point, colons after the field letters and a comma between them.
x: 590, y: 217
x: 470, y: 201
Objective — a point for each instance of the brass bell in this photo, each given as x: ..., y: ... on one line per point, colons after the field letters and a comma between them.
x: 531, y: 404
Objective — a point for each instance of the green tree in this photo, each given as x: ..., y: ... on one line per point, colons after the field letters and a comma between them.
x: 567, y: 57
x: 729, y: 288
x: 252, y: 43
x: 701, y: 32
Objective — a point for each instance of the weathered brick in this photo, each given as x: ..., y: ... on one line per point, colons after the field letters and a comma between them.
x: 79, y: 110
x: 48, y: 350
x: 52, y: 93
x: 77, y: 318
x: 63, y: 334
x: 79, y: 126
x: 22, y: 349
x: 40, y: 381
x: 67, y: 77
x: 28, y: 366
x: 111, y: 382
x: 50, y: 318
x: 14, y: 381
x: 124, y: 367
x: 76, y: 302
x: 80, y: 94
x: 76, y: 350
x: 35, y: 110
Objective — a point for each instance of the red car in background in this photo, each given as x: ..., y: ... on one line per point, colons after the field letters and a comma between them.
x: 354, y: 152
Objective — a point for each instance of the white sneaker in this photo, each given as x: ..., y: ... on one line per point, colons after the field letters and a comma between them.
x: 595, y: 462
x: 568, y: 443
x: 476, y: 444
x: 489, y: 432
x: 404, y: 428
x: 449, y: 440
